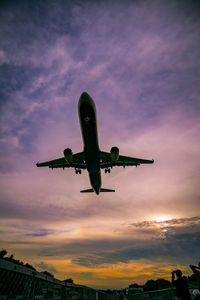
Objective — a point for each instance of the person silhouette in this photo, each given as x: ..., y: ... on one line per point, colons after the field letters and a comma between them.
x: 182, y: 291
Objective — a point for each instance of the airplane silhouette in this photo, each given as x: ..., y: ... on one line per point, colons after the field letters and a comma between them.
x: 92, y: 158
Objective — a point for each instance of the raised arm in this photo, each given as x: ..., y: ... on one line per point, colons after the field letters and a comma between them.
x: 173, y: 277
x: 193, y: 267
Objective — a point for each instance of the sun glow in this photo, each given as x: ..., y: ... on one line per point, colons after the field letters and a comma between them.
x: 161, y: 218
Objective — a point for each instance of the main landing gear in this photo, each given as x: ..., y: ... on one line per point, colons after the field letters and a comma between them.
x: 107, y: 170
x: 77, y: 171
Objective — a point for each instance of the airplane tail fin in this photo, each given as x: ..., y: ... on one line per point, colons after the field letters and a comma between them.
x: 92, y: 191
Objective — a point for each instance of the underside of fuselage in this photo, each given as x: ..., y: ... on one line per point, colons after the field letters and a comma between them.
x: 91, y: 158
x: 88, y: 123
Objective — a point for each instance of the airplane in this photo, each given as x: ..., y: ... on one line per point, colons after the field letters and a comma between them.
x: 92, y: 158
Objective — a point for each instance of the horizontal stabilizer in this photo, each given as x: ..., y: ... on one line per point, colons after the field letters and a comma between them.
x: 106, y: 190
x: 87, y: 191
x: 92, y: 191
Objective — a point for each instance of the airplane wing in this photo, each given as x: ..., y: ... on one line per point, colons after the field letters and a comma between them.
x: 78, y: 162
x: 107, y: 162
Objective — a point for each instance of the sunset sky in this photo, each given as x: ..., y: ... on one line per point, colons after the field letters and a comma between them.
x: 140, y: 62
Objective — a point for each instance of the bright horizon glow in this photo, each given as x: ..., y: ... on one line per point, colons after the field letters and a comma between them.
x: 161, y: 218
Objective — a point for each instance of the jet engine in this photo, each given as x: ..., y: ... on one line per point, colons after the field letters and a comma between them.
x: 68, y: 155
x: 114, y: 153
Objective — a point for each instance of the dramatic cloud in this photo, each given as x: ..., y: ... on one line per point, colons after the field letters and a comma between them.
x: 46, y: 267
x: 140, y: 62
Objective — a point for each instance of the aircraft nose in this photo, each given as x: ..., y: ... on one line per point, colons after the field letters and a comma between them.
x: 85, y: 101
x: 85, y: 98
x: 84, y: 95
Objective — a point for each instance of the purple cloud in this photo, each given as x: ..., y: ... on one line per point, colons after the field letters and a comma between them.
x: 140, y: 63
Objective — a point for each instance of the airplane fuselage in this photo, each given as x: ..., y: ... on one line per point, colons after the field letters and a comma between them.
x: 88, y: 123
x: 92, y: 158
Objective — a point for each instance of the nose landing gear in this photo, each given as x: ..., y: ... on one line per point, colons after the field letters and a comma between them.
x: 77, y: 171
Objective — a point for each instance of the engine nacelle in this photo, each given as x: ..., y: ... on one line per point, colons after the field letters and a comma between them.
x: 68, y: 155
x: 114, y: 153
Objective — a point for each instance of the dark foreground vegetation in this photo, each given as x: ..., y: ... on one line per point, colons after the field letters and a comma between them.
x: 149, y: 286
x: 11, y: 258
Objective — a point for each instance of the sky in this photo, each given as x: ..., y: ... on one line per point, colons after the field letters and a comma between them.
x: 140, y: 62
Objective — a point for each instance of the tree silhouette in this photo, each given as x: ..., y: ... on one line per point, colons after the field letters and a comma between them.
x: 69, y: 280
x: 152, y: 285
x: 48, y: 273
x: 3, y: 253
